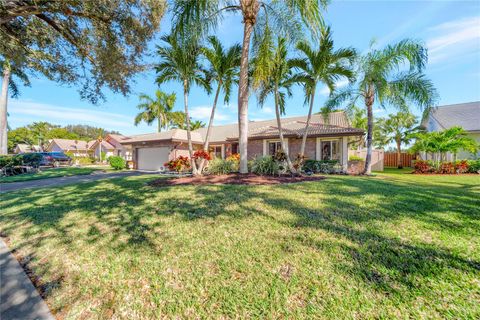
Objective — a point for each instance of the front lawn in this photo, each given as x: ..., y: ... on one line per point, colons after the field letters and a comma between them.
x: 49, y: 173
x: 388, y: 246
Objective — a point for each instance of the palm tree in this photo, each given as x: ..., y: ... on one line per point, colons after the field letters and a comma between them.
x: 277, y: 81
x: 224, y: 66
x: 180, y: 123
x: 160, y: 109
x: 380, y: 79
x: 324, y: 65
x: 199, y: 16
x: 438, y: 143
x: 8, y: 70
x: 180, y: 62
x: 398, y: 128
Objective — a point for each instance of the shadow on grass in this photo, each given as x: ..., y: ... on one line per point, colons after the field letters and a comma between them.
x: 347, y: 208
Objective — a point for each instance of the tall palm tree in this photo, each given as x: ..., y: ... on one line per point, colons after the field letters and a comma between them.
x: 181, y: 124
x: 180, y: 62
x: 160, y: 109
x: 277, y: 81
x: 323, y: 65
x: 380, y: 79
x: 224, y: 66
x: 199, y: 16
x: 397, y: 128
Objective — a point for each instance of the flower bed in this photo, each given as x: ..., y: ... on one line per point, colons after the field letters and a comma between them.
x: 446, y: 167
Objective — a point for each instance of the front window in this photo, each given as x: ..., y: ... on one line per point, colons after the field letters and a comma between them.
x: 329, y: 150
x: 215, y: 151
x: 273, y: 147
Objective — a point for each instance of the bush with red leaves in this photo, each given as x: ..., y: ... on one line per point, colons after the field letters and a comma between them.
x: 179, y: 164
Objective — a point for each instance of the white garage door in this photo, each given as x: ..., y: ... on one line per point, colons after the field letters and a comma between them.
x: 152, y: 158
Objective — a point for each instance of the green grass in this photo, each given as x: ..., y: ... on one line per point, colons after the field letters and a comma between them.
x: 390, y: 246
x: 49, y: 173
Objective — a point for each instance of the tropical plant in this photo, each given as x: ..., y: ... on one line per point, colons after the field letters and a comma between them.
x: 358, y: 119
x: 200, y: 16
x: 159, y: 108
x: 381, y: 79
x: 179, y: 164
x: 180, y: 123
x: 265, y: 166
x: 323, y: 65
x: 276, y: 79
x: 220, y: 166
x: 180, y: 62
x: 223, y: 69
x: 398, y: 128
x: 438, y: 143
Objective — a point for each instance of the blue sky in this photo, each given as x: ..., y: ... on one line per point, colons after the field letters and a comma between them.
x: 450, y: 29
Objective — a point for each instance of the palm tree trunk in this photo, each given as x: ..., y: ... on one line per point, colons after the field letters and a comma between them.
x: 3, y: 110
x: 305, y: 134
x: 399, y: 155
x: 210, y: 123
x: 249, y: 11
x: 280, y: 133
x: 189, y: 134
x: 369, y: 103
x: 159, y: 120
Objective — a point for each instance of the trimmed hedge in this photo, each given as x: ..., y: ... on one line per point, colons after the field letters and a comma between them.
x: 320, y: 166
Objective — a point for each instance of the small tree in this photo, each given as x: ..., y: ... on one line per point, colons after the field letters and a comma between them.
x: 397, y: 128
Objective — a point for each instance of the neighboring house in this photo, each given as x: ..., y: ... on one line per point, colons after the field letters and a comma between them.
x: 119, y: 149
x: 26, y: 148
x: 78, y: 148
x: 326, y: 140
x: 465, y: 115
x: 97, y: 148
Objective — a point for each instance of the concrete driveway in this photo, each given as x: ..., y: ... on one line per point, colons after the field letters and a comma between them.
x: 60, y: 181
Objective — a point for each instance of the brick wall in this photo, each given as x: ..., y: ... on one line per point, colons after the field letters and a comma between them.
x: 255, y: 148
x: 294, y: 146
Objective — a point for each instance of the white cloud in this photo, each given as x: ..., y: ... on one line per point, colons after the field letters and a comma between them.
x: 325, y: 91
x: 454, y: 38
x: 203, y: 113
x: 67, y: 115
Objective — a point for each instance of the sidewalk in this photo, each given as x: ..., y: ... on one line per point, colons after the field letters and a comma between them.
x: 18, y: 297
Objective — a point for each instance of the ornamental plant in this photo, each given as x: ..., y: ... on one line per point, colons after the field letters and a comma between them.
x: 446, y: 167
x: 117, y: 162
x: 461, y: 166
x: 202, y: 154
x: 422, y: 166
x: 179, y: 164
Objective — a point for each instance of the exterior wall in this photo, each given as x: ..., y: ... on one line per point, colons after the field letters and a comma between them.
x: 294, y: 146
x: 377, y: 157
x: 255, y: 149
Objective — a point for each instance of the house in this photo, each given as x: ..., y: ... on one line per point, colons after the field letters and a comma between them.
x: 326, y: 140
x: 26, y: 148
x: 78, y: 148
x: 110, y: 146
x: 465, y: 115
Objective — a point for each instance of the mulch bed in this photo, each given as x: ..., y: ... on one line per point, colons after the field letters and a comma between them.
x: 242, y: 179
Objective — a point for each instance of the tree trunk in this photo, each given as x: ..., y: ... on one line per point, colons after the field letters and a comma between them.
x: 189, y: 134
x: 305, y: 134
x: 399, y: 155
x: 3, y: 110
x: 369, y: 99
x: 280, y: 133
x: 249, y: 10
x: 159, y: 120
x: 210, y: 123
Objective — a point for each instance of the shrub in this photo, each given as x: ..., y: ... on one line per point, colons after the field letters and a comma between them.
x: 422, y: 166
x: 117, y: 162
x: 31, y: 159
x: 446, y: 167
x: 474, y: 166
x: 355, y: 158
x: 265, y: 166
x: 461, y: 166
x: 6, y: 161
x: 201, y: 154
x: 321, y: 166
x: 235, y: 159
x: 179, y: 164
x: 299, y: 162
x: 220, y: 166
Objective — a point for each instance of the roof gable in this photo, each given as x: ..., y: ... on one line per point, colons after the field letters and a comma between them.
x: 466, y: 115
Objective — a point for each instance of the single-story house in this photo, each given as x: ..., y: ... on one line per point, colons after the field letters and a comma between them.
x: 26, y: 148
x: 326, y: 140
x: 110, y: 146
x: 465, y: 115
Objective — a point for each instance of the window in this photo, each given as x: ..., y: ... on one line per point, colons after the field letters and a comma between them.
x: 329, y: 150
x: 234, y: 148
x: 215, y: 151
x: 273, y: 147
